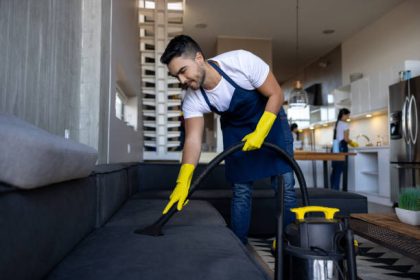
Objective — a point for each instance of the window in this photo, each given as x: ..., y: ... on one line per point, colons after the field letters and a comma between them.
x: 120, y: 101
x: 299, y: 115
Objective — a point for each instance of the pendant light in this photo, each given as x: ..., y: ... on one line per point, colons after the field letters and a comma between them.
x: 298, y: 97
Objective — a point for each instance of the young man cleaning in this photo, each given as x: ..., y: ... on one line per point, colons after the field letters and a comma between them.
x: 240, y: 87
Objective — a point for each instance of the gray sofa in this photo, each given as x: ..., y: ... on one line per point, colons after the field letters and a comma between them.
x: 60, y: 220
x: 216, y: 190
x: 83, y: 229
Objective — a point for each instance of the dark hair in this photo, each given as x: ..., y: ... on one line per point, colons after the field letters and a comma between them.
x: 341, y: 113
x: 293, y: 126
x: 178, y: 46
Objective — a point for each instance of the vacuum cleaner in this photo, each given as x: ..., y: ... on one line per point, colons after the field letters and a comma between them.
x: 311, y: 248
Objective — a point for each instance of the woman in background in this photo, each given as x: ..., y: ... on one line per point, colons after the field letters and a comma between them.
x: 295, y: 132
x: 341, y: 138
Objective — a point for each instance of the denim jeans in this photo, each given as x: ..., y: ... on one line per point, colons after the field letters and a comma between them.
x: 241, y: 205
x: 337, y: 170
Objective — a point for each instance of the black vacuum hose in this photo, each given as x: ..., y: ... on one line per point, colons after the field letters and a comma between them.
x: 156, y: 228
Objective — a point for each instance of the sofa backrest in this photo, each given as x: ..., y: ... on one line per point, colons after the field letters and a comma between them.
x: 163, y: 175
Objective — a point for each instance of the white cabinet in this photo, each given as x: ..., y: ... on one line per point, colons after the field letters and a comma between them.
x: 378, y: 85
x: 370, y: 94
x: 307, y: 167
x: 342, y: 98
x: 369, y: 174
x: 360, y: 96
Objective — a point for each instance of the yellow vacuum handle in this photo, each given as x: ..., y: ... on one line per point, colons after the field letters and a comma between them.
x: 301, y: 211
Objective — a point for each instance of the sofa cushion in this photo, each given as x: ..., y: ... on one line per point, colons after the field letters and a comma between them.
x: 112, y: 187
x: 182, y: 253
x: 151, y: 177
x: 32, y: 157
x: 144, y: 212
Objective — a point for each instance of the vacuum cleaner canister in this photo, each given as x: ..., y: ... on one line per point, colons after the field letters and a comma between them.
x: 316, y: 247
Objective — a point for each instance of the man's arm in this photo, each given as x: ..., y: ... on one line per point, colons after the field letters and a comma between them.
x: 271, y: 89
x: 194, y: 128
x: 191, y: 153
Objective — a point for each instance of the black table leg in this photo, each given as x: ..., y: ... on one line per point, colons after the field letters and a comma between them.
x: 314, y: 177
x: 345, y: 174
x: 326, y: 180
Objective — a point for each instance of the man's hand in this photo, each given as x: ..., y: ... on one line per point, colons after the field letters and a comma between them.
x: 180, y: 192
x: 255, y: 139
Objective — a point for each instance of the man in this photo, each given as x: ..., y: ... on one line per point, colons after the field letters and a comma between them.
x: 241, y: 88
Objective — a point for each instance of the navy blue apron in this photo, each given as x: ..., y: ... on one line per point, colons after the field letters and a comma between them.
x: 241, y: 118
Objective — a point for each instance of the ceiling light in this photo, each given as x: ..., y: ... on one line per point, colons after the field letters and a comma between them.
x: 201, y: 25
x: 298, y: 97
x: 368, y: 116
x: 328, y: 31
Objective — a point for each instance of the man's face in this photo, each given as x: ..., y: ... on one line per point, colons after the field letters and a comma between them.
x: 189, y: 71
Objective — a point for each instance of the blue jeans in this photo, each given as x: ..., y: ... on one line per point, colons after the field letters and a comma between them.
x: 337, y: 170
x: 241, y: 205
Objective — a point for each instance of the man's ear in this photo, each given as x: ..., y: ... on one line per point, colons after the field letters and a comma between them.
x: 199, y: 57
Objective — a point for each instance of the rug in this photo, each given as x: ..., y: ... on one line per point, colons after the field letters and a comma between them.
x: 373, y: 261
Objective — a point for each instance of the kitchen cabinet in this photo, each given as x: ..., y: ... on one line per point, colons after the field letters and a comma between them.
x: 369, y: 174
x: 360, y: 96
x: 370, y: 93
x: 341, y: 97
x: 322, y: 114
x: 378, y: 85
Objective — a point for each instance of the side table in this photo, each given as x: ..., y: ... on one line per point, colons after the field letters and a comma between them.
x: 388, y: 231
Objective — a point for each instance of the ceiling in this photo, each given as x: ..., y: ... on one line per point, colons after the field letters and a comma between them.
x: 276, y: 20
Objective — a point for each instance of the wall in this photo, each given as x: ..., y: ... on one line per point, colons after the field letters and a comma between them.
x: 124, y: 143
x: 260, y: 47
x: 384, y: 44
x: 90, y: 76
x: 371, y: 127
x: 58, y: 64
x: 326, y: 70
x: 40, y: 46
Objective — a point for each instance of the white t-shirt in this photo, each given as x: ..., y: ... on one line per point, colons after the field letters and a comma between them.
x: 246, y: 69
x: 341, y: 127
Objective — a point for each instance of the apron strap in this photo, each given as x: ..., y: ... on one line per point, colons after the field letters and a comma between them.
x: 224, y: 75
x: 212, y: 108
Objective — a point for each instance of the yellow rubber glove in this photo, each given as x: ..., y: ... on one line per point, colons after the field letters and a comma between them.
x: 183, y: 183
x: 255, y: 139
x: 353, y: 144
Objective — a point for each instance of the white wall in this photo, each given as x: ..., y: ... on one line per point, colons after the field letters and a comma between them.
x: 380, y: 47
x: 371, y: 127
x: 124, y: 66
x: 40, y: 49
x: 385, y: 44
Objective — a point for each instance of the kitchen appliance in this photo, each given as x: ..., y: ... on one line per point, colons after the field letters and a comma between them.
x: 404, y: 101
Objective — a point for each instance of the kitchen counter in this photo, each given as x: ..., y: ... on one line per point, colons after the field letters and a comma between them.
x: 325, y: 156
x: 369, y: 148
